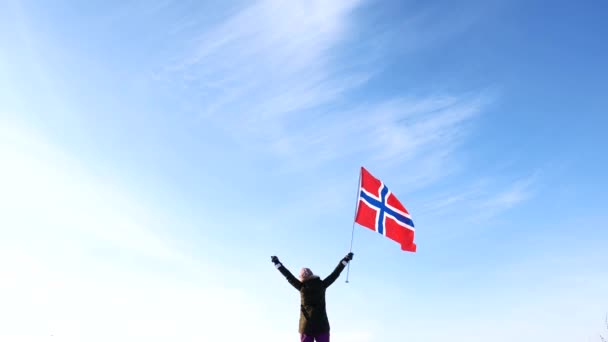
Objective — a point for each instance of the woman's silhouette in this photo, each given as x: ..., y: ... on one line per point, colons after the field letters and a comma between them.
x: 314, y: 324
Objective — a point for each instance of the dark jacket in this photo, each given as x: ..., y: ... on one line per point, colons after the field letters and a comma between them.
x: 313, y: 316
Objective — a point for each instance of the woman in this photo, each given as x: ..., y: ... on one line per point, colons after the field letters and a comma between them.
x: 314, y: 324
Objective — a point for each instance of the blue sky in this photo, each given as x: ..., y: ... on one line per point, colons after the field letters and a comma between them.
x: 155, y: 154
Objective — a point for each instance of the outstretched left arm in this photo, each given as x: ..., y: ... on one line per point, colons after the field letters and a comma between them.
x: 285, y: 272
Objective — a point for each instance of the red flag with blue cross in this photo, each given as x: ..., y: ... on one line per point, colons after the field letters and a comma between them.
x: 379, y: 210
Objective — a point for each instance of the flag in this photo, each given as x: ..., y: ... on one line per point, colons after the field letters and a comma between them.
x: 379, y: 210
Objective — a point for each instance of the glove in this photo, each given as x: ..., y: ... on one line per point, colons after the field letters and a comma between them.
x: 348, y: 257
x: 274, y: 259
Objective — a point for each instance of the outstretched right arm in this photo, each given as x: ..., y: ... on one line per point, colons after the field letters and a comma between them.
x: 336, y: 273
x: 285, y: 272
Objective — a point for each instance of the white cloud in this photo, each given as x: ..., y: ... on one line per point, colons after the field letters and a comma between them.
x: 79, y: 260
x: 39, y: 302
x: 264, y: 73
x: 518, y: 192
x: 273, y: 75
x: 482, y: 199
x: 47, y: 194
x: 419, y: 133
x: 269, y: 62
x: 418, y: 137
x: 269, y: 59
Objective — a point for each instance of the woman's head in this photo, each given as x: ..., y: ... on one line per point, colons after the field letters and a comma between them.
x: 305, y: 274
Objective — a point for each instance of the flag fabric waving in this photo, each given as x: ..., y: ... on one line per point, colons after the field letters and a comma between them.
x: 379, y: 210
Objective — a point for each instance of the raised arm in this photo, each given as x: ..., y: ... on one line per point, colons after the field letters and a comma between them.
x: 285, y: 272
x: 336, y: 273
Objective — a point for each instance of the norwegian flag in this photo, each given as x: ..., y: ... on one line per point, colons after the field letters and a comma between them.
x: 379, y: 210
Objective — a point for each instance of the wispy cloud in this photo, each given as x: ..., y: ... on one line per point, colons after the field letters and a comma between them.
x: 483, y: 199
x: 283, y: 77
x: 419, y: 133
x: 518, y: 192
x: 271, y: 58
x: 275, y: 74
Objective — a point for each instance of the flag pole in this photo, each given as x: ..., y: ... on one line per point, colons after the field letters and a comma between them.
x: 352, y: 234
